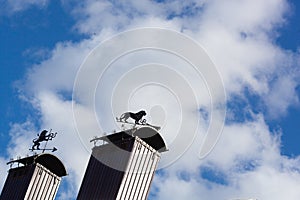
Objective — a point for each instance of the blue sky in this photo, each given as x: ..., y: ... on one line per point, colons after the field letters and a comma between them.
x: 33, y: 35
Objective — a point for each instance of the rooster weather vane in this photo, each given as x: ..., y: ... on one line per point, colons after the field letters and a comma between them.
x: 43, y: 137
x: 137, y: 117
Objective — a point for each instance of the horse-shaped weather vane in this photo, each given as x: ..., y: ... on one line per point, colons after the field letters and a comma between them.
x: 43, y: 137
x: 137, y: 117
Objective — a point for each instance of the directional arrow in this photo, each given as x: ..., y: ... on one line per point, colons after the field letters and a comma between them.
x: 53, y: 149
x: 155, y: 127
x: 140, y: 124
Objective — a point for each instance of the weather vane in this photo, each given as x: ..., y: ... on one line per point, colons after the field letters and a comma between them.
x: 137, y: 117
x: 43, y: 137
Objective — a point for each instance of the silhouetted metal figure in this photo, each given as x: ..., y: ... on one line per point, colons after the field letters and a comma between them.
x: 137, y: 117
x: 43, y: 136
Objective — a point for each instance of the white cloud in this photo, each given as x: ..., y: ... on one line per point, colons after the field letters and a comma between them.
x: 21, y: 137
x: 240, y: 38
x: 282, y: 95
x: 59, y: 71
x: 97, y: 15
x: 247, y: 157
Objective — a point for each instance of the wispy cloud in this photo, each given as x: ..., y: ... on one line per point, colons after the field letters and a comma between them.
x: 14, y: 6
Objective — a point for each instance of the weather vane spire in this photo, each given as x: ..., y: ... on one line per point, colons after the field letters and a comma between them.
x: 43, y: 137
